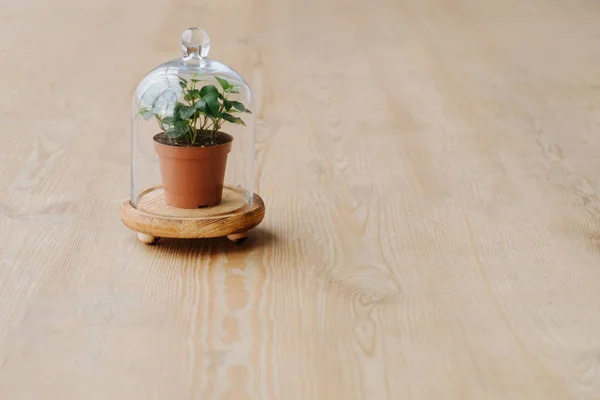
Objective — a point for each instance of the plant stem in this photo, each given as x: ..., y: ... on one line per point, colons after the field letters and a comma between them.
x: 216, y: 123
x: 195, y: 127
x: 160, y: 124
x: 214, y: 130
x: 191, y: 100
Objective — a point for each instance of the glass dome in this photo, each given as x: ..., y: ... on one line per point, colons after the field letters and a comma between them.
x: 192, y: 135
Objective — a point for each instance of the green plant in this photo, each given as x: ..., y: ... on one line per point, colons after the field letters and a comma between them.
x: 202, y: 113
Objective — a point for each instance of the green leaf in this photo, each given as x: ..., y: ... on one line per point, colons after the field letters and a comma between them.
x: 212, y: 103
x: 192, y: 94
x: 224, y: 84
x: 200, y: 105
x: 186, y: 112
x: 212, y: 99
x: 196, y: 80
x: 212, y: 109
x: 175, y: 133
x: 146, y: 113
x: 182, y: 124
x: 168, y: 120
x: 182, y: 84
x: 239, y: 106
x: 177, y: 109
x: 209, y: 90
x: 233, y: 119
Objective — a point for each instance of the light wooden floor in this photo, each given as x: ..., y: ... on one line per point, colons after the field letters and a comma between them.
x: 431, y: 171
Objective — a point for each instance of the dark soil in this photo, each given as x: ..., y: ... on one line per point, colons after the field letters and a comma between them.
x: 202, y: 140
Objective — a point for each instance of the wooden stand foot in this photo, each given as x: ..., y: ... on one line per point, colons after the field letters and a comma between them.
x: 146, y: 238
x: 238, y: 237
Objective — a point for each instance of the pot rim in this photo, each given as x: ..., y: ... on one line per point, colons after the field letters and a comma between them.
x: 194, y: 153
x: 195, y: 147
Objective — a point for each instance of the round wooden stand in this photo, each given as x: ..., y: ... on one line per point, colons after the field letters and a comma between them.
x: 153, y: 218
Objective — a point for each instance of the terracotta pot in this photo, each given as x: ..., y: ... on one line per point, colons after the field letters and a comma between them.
x: 193, y: 176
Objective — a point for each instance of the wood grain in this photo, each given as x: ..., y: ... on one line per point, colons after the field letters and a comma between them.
x: 152, y: 201
x: 430, y: 171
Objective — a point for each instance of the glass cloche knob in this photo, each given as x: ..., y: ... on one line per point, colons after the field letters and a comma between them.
x: 195, y: 43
